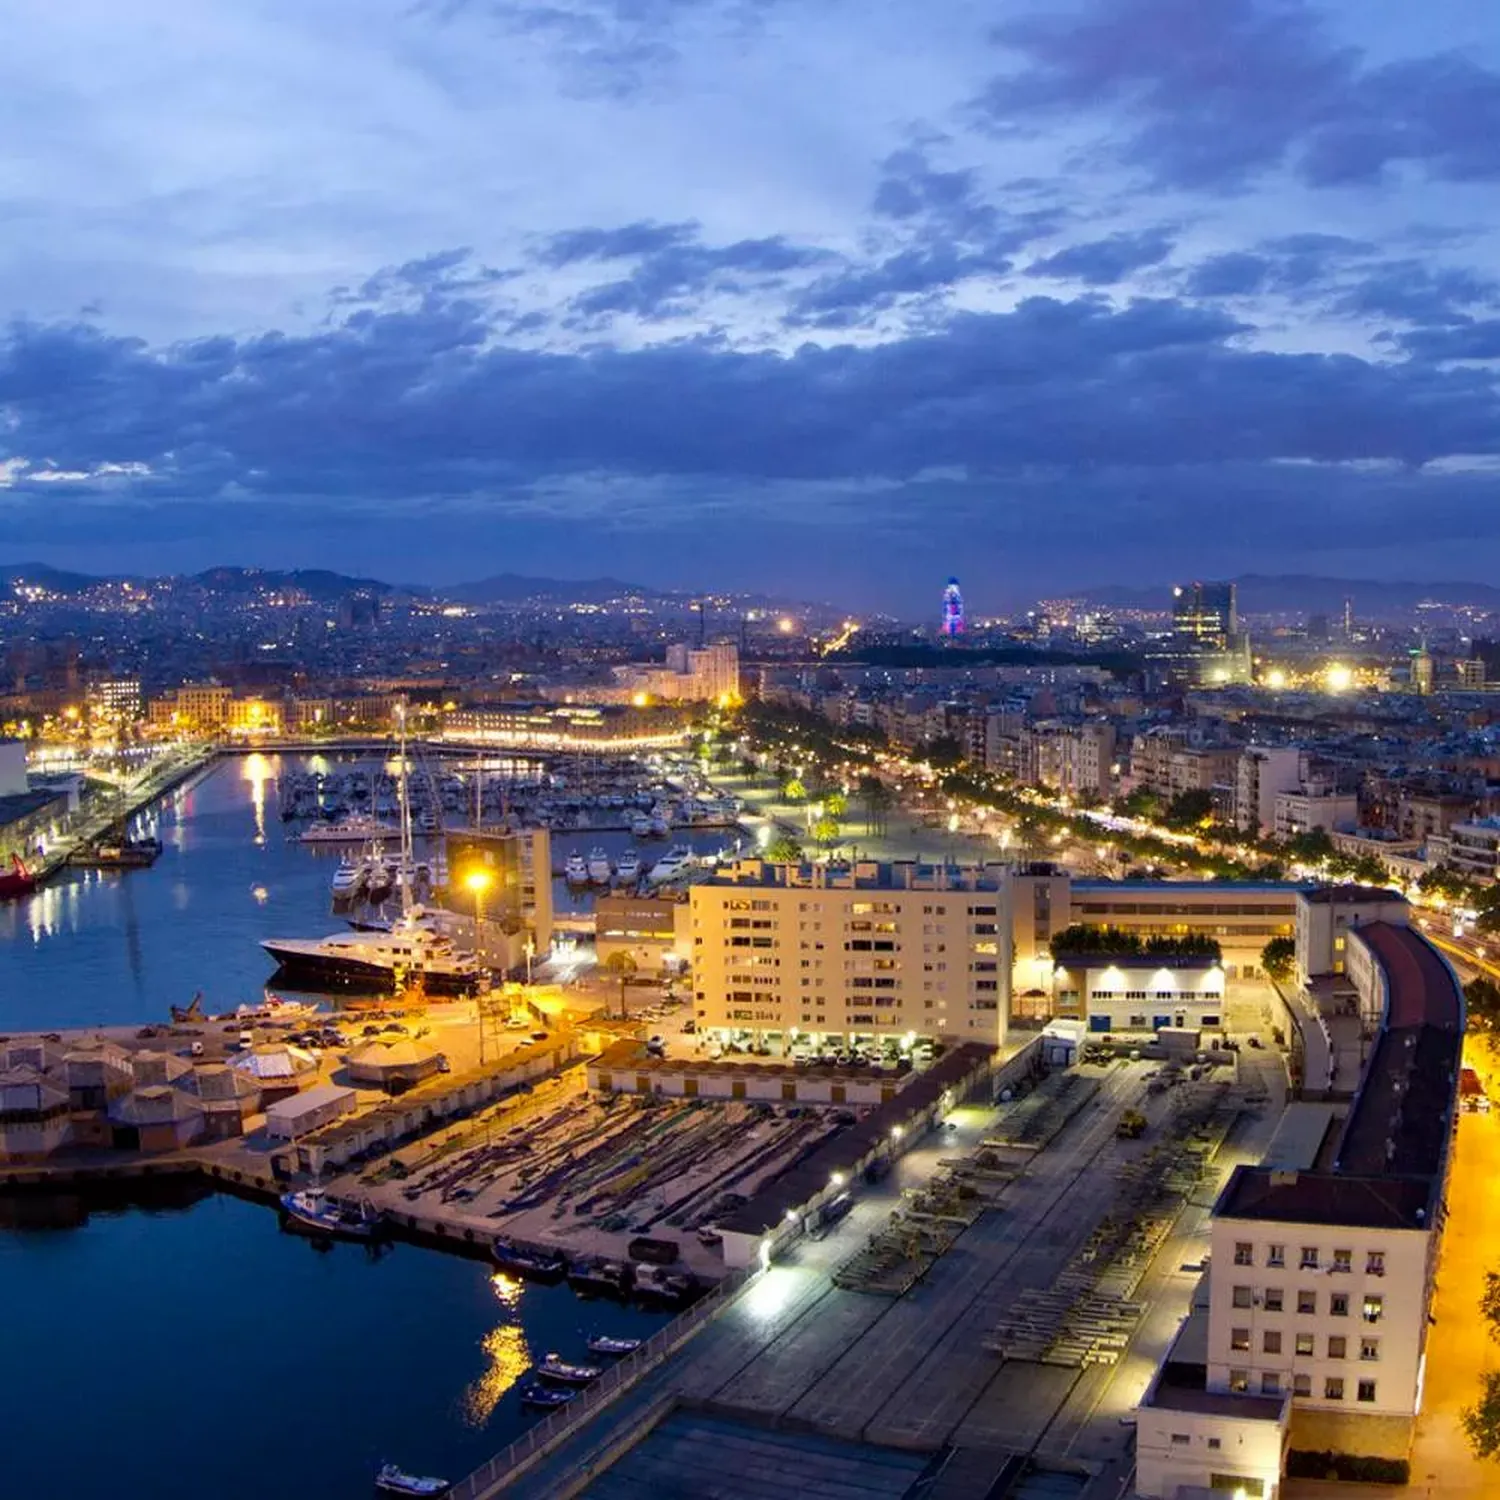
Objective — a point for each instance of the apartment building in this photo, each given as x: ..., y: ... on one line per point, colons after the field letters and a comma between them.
x: 1261, y: 773
x: 1314, y: 807
x: 871, y: 951
x: 1474, y: 848
x: 1314, y: 1332
x: 1325, y: 916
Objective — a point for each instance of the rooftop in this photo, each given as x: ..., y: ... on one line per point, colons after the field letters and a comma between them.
x: 866, y: 875
x: 1340, y: 895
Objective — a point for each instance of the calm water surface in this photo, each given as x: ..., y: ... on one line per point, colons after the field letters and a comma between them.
x: 197, y: 1350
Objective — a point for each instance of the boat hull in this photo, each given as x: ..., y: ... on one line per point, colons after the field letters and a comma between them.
x: 313, y: 971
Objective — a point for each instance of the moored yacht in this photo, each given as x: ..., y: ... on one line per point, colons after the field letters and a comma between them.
x: 675, y: 862
x: 576, y: 870
x: 353, y: 830
x: 628, y: 870
x: 377, y: 961
x: 598, y: 866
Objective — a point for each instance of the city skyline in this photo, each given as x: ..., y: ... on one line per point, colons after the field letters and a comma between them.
x: 1046, y: 297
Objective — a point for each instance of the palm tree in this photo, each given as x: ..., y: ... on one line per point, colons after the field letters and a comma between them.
x: 623, y: 966
x: 784, y: 850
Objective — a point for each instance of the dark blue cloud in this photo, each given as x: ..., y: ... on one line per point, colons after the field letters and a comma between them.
x: 1472, y: 341
x: 620, y: 243
x: 1105, y: 262
x: 1220, y: 92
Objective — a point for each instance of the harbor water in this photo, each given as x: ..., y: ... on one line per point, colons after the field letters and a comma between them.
x: 199, y: 1348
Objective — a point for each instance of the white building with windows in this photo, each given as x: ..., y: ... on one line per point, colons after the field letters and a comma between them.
x: 851, y: 953
x: 1133, y: 992
x: 1315, y: 1333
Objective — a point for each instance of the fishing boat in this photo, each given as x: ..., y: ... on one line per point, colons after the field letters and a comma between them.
x: 312, y: 1208
x: 607, y: 1278
x: 16, y: 881
x: 576, y: 870
x: 628, y: 871
x: 604, y: 1343
x: 660, y: 1288
x: 393, y: 1481
x: 599, y: 867
x: 534, y: 1265
x: 559, y: 1372
x: 545, y: 1397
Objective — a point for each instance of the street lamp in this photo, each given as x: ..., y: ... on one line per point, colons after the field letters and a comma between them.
x: 478, y: 881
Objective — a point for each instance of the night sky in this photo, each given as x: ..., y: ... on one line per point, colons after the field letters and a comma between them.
x: 831, y: 297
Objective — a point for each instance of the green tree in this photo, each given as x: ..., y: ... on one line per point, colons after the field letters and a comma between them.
x: 1188, y: 809
x: 623, y: 967
x: 1482, y: 1005
x: 1370, y: 870
x: 1489, y: 1303
x: 1277, y: 958
x: 1481, y: 1422
x: 877, y: 799
x: 1142, y: 803
x: 826, y: 830
x: 943, y: 750
x: 784, y: 850
x: 794, y: 790
x: 835, y: 804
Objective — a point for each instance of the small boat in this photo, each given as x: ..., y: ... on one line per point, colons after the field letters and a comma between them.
x: 127, y: 854
x: 355, y: 830
x: 608, y: 1278
x: 16, y: 881
x: 640, y: 826
x: 313, y: 1209
x: 560, y: 1372
x: 534, y: 1265
x: 628, y: 871
x: 393, y: 1481
x: 604, y: 1343
x: 599, y: 867
x: 545, y: 1397
x: 658, y: 827
x: 576, y: 871
x: 659, y: 1288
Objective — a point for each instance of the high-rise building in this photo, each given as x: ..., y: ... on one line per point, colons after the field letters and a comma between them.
x: 953, y: 610
x: 1207, y: 613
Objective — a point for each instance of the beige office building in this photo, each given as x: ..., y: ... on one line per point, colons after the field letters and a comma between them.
x: 844, y: 955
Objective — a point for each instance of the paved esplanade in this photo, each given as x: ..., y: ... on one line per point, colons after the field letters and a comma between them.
x: 911, y: 1372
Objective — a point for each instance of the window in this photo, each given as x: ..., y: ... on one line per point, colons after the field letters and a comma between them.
x: 1338, y: 1305
x: 1271, y: 1341
x: 1180, y: 1438
x: 1333, y: 1388
x: 1239, y: 1338
x: 1242, y: 1297
x: 1302, y: 1385
x: 1369, y: 1348
x: 1270, y: 1383
x: 1239, y: 1380
x: 1214, y: 1443
x: 1366, y: 1390
x: 1273, y: 1299
x: 1309, y: 1257
x: 1275, y: 1255
x: 1375, y: 1263
x: 1374, y: 1308
x: 1343, y: 1261
x: 1337, y: 1346
x: 1307, y: 1302
x: 1244, y: 1253
x: 1305, y: 1345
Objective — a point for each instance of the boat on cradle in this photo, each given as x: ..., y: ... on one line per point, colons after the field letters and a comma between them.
x: 604, y: 1343
x: 355, y: 830
x: 576, y: 870
x: 599, y: 867
x: 628, y: 871
x: 534, y: 1265
x: 545, y: 1397
x: 312, y: 1208
x: 16, y: 881
x: 393, y: 1481
x: 378, y: 961
x: 677, y: 861
x: 595, y: 1278
x: 656, y: 1287
x: 557, y: 1371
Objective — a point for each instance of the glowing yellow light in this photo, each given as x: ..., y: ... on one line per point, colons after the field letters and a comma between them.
x: 786, y: 625
x: 640, y: 700
x: 478, y: 880
x: 1275, y: 678
x: 1340, y: 678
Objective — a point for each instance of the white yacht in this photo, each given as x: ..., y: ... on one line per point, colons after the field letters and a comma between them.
x: 347, y: 879
x: 357, y: 829
x: 576, y: 870
x: 599, y: 867
x: 640, y: 826
x: 378, y: 961
x: 628, y: 870
x: 677, y: 861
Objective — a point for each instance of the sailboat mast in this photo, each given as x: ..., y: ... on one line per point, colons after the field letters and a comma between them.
x: 408, y: 863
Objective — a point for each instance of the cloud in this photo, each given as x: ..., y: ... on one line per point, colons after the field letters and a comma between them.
x: 1105, y: 262
x: 1218, y: 93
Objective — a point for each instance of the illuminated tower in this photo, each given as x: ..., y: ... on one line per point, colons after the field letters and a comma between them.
x: 953, y: 610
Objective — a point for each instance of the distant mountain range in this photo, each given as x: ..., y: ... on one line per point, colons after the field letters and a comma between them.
x: 328, y: 587
x: 1305, y: 593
